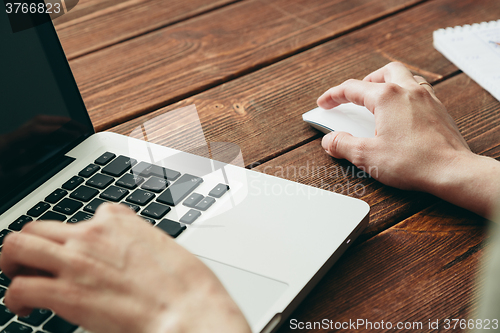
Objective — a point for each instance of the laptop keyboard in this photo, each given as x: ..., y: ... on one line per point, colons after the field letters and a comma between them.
x: 149, y: 190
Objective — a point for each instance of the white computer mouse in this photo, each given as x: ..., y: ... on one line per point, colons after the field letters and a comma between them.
x: 351, y: 118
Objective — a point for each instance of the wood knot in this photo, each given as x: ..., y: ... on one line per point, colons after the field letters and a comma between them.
x: 239, y: 109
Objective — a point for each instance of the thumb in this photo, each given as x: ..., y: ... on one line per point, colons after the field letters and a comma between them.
x: 341, y: 145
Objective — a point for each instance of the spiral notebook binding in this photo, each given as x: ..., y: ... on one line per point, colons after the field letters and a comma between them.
x: 468, y: 27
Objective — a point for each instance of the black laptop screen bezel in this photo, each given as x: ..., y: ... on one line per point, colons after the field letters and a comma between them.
x: 66, y: 81
x: 75, y: 107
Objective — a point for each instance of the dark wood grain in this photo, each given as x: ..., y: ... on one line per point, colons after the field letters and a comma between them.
x: 96, y: 24
x: 150, y: 71
x: 86, y: 7
x: 265, y: 120
x: 423, y: 268
x: 123, y: 89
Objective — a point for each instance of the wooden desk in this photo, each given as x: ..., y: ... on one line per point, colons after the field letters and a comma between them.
x: 252, y: 67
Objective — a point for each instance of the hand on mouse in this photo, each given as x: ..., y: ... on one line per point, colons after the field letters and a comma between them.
x: 115, y: 273
x: 417, y: 145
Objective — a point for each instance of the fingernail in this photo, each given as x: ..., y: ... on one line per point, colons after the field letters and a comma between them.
x: 327, y: 141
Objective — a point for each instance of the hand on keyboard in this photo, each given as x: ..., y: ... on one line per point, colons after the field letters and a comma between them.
x: 115, y: 273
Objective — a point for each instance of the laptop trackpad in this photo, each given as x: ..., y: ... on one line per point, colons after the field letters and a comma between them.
x: 253, y: 293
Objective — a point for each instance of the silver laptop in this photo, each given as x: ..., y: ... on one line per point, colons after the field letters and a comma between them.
x: 269, y: 240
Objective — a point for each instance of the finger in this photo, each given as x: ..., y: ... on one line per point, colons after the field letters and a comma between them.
x: 108, y: 210
x: 26, y: 293
x: 354, y: 91
x: 24, y: 251
x: 51, y: 230
x: 423, y: 82
x: 394, y: 72
x: 342, y: 145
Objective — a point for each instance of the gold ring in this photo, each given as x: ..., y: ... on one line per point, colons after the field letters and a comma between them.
x: 427, y: 83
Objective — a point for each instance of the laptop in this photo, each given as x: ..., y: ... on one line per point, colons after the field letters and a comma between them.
x: 268, y: 240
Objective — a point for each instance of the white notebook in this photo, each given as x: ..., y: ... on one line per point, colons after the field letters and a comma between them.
x: 475, y: 49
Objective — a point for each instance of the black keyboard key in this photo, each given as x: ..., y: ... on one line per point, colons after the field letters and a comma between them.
x: 68, y: 206
x: 3, y: 233
x: 105, y: 158
x: 142, y: 169
x: 91, y: 207
x: 135, y: 208
x: 18, y: 224
x: 155, y: 210
x: 56, y: 196
x: 36, y: 317
x: 179, y: 190
x: 219, y: 190
x: 130, y: 181
x: 5, y: 314
x: 73, y: 183
x: 84, y: 193
x: 14, y: 327
x: 155, y: 184
x: 205, y: 203
x: 145, y: 169
x: 172, y: 228
x: 140, y: 197
x: 38, y: 209
x: 89, y: 170
x: 99, y: 181
x: 4, y: 281
x: 193, y: 200
x: 169, y: 174
x: 2, y: 292
x: 190, y: 216
x: 58, y: 325
x: 80, y: 216
x: 119, y: 166
x: 50, y: 215
x: 114, y: 193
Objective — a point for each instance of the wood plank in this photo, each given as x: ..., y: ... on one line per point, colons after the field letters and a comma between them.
x: 273, y: 100
x: 114, y: 94
x: 150, y: 71
x: 96, y: 24
x: 85, y: 7
x: 423, y: 268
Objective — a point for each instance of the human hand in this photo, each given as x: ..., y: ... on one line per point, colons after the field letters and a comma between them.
x: 417, y: 145
x: 115, y: 273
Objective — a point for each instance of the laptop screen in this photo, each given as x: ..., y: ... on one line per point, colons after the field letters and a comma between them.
x: 42, y: 112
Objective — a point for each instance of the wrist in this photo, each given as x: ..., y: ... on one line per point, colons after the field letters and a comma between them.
x: 470, y: 181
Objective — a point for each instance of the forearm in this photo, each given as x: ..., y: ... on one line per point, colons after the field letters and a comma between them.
x: 471, y: 181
